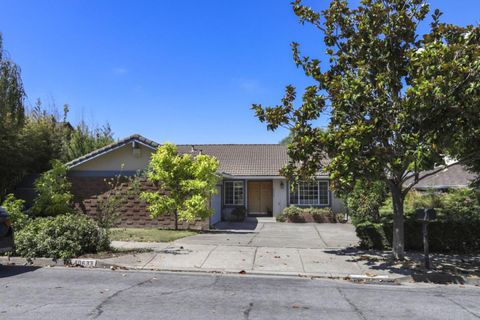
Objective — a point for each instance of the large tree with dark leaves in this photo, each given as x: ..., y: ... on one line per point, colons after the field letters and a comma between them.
x: 399, y: 102
x: 12, y: 116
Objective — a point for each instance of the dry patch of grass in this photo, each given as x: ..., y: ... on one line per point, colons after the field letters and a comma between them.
x: 148, y: 234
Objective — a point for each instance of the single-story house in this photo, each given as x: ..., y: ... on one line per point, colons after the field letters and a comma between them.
x: 249, y: 173
x: 455, y: 176
x: 250, y: 179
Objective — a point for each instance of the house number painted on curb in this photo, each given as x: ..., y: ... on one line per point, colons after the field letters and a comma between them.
x: 90, y: 263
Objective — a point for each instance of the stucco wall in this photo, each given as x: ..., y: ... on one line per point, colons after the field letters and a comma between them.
x: 279, y: 196
x: 113, y: 161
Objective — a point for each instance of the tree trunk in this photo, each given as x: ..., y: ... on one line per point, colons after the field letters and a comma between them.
x: 398, y: 244
x: 176, y: 220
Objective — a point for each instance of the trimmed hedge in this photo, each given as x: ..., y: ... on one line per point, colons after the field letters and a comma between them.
x: 309, y: 214
x: 63, y: 236
x: 444, y: 236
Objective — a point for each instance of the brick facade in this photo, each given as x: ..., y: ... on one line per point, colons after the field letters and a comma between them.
x: 133, y: 213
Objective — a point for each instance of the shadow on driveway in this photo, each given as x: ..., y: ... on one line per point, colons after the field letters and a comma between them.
x: 11, y: 271
x: 235, y: 227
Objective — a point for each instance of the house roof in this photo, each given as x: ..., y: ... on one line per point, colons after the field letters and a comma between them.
x: 455, y: 176
x: 120, y: 143
x: 235, y: 159
x: 244, y: 159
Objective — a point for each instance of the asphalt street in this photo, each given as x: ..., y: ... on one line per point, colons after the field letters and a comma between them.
x: 73, y: 293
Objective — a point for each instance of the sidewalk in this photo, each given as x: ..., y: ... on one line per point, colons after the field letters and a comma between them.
x: 332, y: 263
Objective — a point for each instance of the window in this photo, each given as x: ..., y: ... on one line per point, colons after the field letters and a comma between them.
x: 234, y: 192
x: 310, y: 194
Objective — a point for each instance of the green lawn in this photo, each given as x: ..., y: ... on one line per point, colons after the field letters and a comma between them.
x: 148, y: 234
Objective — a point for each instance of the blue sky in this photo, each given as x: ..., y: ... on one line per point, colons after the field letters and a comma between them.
x: 180, y: 71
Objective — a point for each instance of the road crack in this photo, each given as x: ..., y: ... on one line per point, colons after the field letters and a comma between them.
x: 98, y: 311
x: 350, y: 302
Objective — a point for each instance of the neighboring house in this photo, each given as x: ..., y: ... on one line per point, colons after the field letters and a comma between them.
x: 456, y: 176
x: 250, y: 178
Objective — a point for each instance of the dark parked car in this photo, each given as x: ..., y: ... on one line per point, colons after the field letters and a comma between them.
x: 6, y: 232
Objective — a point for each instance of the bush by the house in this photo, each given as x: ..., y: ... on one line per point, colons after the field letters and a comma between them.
x: 445, y: 236
x: 63, y: 236
x: 53, y: 192
x: 365, y: 200
x: 239, y: 214
x: 15, y: 208
x: 308, y: 214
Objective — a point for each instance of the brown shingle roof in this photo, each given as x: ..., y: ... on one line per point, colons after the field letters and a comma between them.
x: 235, y: 159
x: 245, y: 159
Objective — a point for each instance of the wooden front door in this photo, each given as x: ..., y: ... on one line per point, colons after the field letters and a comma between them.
x: 260, y: 200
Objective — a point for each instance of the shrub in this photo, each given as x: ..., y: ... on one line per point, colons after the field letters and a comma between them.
x: 366, y: 199
x: 444, y: 236
x: 53, y: 192
x: 292, y: 211
x: 63, y: 236
x: 239, y: 214
x: 281, y: 218
x: 321, y: 215
x: 14, y: 209
x: 308, y: 214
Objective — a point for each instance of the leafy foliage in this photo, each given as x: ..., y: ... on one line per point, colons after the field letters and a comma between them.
x: 63, y: 236
x: 31, y: 140
x: 83, y: 140
x: 398, y: 102
x: 444, y: 235
x: 238, y: 214
x: 186, y: 183
x: 366, y: 199
x: 12, y: 115
x: 307, y: 214
x: 53, y: 192
x: 15, y: 209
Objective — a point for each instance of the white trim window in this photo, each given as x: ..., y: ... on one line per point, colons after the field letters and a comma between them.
x: 314, y: 193
x: 234, y: 193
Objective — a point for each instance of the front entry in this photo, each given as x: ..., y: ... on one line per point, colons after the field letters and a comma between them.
x: 260, y: 200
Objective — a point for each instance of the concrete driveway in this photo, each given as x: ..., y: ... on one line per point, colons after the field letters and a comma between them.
x: 259, y: 247
x: 277, y: 235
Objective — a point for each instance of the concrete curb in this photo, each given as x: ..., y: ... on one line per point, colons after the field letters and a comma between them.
x: 348, y: 277
x: 34, y: 262
x: 435, y: 278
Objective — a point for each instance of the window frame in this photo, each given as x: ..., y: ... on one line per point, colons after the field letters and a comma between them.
x: 318, y: 202
x: 233, y: 182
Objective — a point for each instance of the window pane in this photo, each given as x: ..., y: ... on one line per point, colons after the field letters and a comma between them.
x: 238, y: 192
x: 323, y: 192
x: 228, y: 192
x: 308, y: 193
x: 234, y: 192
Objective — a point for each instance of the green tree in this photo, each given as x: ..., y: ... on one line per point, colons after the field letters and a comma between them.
x: 12, y: 115
x: 185, y: 184
x: 15, y: 208
x: 84, y: 140
x: 53, y: 192
x: 396, y: 99
x: 43, y: 138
